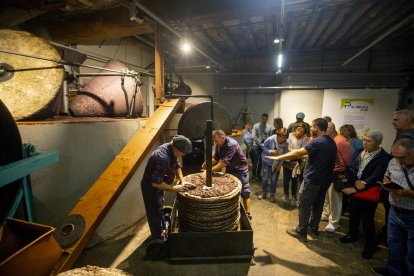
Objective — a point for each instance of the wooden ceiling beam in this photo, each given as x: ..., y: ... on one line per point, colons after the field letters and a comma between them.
x: 310, y: 30
x: 290, y: 34
x: 270, y: 25
x: 358, y: 24
x: 387, y: 11
x: 248, y: 35
x: 396, y: 18
x: 222, y: 31
x: 204, y: 38
x: 356, y: 12
x: 339, y: 17
x: 321, y: 28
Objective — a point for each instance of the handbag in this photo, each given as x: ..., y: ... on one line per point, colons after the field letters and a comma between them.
x: 370, y: 194
x: 339, y: 181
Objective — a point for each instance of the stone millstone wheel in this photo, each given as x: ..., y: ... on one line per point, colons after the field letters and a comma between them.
x: 210, y: 209
x: 29, y: 87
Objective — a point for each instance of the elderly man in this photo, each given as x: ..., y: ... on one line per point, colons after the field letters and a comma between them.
x: 403, y: 120
x: 333, y: 201
x: 161, y: 170
x: 300, y: 116
x: 317, y: 177
x: 228, y: 154
x: 261, y: 131
x: 401, y: 218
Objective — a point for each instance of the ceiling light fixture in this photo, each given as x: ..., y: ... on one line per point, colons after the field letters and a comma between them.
x: 185, y: 47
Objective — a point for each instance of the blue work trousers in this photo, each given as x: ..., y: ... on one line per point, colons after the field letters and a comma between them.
x: 153, y: 201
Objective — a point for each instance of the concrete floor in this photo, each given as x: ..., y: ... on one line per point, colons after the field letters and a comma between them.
x: 277, y: 253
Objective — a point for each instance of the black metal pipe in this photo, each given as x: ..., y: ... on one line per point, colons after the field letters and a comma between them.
x: 209, y: 154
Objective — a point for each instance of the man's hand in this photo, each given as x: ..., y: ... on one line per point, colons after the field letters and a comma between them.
x: 184, y: 187
x: 360, y: 185
x: 190, y: 186
x: 275, y: 158
x: 399, y: 192
x: 274, y: 152
x: 349, y: 191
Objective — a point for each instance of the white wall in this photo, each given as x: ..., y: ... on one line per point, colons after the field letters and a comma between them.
x: 306, y: 101
x: 85, y: 150
x: 379, y: 117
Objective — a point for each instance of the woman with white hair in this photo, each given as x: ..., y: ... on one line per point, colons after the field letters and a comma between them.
x: 366, y: 168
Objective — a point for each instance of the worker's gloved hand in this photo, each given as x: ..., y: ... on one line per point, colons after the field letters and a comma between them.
x: 190, y: 186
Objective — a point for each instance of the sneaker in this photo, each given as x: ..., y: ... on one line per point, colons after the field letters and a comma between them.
x: 286, y: 199
x: 330, y: 228
x: 368, y: 252
x: 294, y: 233
x: 348, y: 239
x: 380, y: 271
x: 294, y: 200
x: 314, y: 233
x: 324, y: 218
x: 262, y: 196
x: 272, y: 198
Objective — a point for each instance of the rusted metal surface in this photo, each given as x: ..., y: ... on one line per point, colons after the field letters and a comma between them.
x: 97, y: 201
x: 28, y: 249
x: 32, y: 92
x: 193, y: 122
x: 108, y: 96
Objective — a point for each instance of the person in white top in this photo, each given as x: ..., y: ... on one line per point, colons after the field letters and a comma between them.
x: 297, y: 139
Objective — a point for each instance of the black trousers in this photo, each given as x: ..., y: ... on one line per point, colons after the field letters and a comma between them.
x: 362, y: 210
x: 153, y: 201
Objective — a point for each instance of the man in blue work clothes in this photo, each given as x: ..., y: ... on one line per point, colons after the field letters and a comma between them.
x: 229, y: 154
x: 161, y: 170
x: 317, y: 178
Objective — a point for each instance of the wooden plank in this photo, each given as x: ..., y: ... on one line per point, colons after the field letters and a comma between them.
x: 159, y: 66
x: 97, y: 201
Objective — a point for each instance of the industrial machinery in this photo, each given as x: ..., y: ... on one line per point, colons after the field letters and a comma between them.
x: 22, y: 242
x: 202, y: 246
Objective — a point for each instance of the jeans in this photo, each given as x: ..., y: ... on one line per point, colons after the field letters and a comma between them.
x: 256, y: 160
x: 243, y: 176
x: 153, y: 201
x: 287, y: 176
x: 269, y: 174
x: 401, y: 242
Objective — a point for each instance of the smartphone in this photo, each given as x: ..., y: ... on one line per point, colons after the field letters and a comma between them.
x: 391, y: 185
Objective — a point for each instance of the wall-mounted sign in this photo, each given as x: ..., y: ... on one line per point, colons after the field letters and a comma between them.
x: 356, y: 112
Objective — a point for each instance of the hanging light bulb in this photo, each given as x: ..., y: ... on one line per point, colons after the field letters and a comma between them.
x: 185, y: 47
